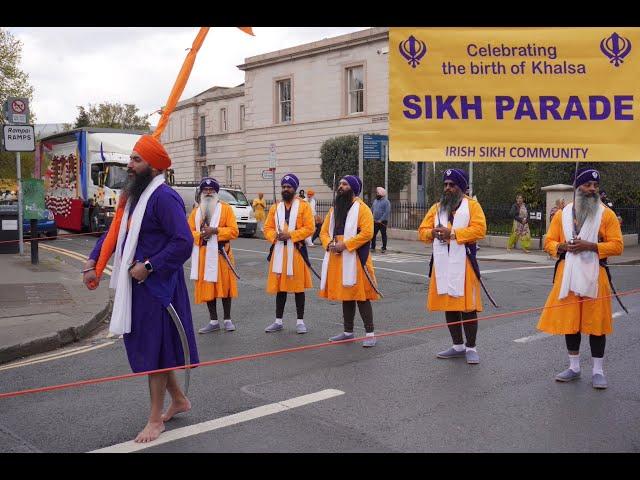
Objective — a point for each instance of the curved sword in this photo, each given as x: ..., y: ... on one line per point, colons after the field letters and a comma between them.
x: 373, y: 285
x: 226, y: 258
x: 306, y: 259
x: 185, y: 344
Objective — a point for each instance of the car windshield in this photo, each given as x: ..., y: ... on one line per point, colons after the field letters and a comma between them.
x: 233, y: 197
x: 117, y: 177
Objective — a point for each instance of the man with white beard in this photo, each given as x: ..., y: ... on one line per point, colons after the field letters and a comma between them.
x: 213, y: 226
x: 583, y: 236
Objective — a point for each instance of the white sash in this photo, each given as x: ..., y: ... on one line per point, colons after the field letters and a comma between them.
x: 581, y: 270
x: 450, y: 263
x: 211, y: 249
x: 278, y: 249
x: 349, y: 264
x: 120, y: 279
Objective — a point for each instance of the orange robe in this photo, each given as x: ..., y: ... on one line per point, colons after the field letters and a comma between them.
x: 362, y: 290
x: 476, y: 230
x: 591, y: 317
x: 301, y: 278
x: 227, y: 285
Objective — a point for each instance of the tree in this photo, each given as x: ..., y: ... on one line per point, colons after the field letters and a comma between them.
x: 13, y: 81
x: 340, y: 155
x: 112, y: 115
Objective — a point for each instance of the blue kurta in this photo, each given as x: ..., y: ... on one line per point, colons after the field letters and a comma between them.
x: 165, y: 240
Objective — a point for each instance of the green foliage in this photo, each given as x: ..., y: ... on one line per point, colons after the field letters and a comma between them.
x: 13, y: 81
x: 112, y: 115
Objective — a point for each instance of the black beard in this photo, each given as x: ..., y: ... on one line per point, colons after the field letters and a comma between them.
x: 450, y: 201
x: 136, y: 184
x: 287, y: 196
x: 344, y: 200
x: 379, y: 197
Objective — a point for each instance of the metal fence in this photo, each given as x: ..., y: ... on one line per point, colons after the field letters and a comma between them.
x: 409, y: 216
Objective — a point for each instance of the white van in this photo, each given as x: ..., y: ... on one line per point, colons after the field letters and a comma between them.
x: 231, y: 194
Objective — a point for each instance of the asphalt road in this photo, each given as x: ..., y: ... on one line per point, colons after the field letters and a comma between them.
x: 396, y: 397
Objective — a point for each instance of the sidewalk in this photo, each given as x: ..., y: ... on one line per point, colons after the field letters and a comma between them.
x: 46, y: 306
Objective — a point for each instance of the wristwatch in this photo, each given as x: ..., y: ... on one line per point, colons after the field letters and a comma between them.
x: 148, y: 266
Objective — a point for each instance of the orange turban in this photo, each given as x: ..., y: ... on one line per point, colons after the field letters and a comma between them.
x: 152, y: 152
x: 310, y: 191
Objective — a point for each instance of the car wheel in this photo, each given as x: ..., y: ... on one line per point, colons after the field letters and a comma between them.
x: 52, y: 234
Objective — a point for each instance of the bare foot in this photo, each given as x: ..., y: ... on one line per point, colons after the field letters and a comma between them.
x: 150, y: 432
x: 175, y: 408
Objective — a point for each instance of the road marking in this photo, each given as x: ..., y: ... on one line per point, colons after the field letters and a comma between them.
x: 222, y: 422
x: 56, y: 356
x: 500, y: 270
x: 77, y: 256
x: 541, y: 335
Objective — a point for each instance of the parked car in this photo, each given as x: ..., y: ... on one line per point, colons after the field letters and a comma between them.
x: 46, y: 224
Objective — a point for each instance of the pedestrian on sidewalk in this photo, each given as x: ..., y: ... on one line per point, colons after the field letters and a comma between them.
x: 520, y: 230
x: 311, y: 194
x: 381, y: 211
x: 213, y: 226
x: 583, y: 238
x: 559, y: 205
x: 259, y: 205
x: 346, y: 235
x: 454, y: 225
x: 152, y: 241
x: 288, y: 223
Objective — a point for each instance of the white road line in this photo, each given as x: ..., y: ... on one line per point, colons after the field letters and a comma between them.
x: 531, y: 338
x: 77, y: 256
x: 49, y: 358
x: 500, y: 270
x: 222, y: 422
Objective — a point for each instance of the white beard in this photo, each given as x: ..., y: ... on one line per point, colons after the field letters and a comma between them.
x: 208, y: 206
x: 586, y: 207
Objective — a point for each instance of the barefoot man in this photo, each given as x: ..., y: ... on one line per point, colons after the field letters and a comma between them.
x: 152, y: 241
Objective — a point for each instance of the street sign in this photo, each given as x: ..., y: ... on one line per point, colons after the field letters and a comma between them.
x: 19, y: 138
x: 17, y: 110
x: 267, y: 174
x: 372, y: 146
x: 272, y: 156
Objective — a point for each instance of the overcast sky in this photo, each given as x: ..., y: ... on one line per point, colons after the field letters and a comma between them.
x: 77, y: 66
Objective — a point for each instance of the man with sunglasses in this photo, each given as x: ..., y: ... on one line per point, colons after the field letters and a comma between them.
x: 454, y: 225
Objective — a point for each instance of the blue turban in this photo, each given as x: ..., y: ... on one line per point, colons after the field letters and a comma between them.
x: 585, y: 175
x: 354, y: 182
x: 290, y: 179
x: 457, y: 176
x: 208, y: 182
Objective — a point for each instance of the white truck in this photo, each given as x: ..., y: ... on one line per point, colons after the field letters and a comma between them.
x: 231, y: 194
x: 84, y: 171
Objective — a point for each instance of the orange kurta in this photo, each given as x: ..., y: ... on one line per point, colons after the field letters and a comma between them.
x: 591, y: 317
x: 301, y: 278
x: 476, y: 230
x: 362, y: 290
x: 226, y: 286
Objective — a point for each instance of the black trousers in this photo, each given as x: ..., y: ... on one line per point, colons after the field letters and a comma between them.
x: 382, y: 228
x: 281, y: 301
x: 226, y: 306
x: 597, y: 343
x: 470, y: 328
x: 349, y: 314
x: 316, y: 234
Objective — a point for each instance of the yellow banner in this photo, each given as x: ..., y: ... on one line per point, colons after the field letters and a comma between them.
x: 514, y: 94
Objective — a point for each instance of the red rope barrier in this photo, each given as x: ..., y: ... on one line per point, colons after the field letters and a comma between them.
x: 296, y: 349
x: 39, y: 239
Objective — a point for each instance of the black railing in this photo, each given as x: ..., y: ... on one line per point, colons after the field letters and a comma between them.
x: 409, y: 216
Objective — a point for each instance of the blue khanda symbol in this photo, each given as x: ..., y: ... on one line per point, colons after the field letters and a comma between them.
x: 413, y: 50
x: 616, y: 48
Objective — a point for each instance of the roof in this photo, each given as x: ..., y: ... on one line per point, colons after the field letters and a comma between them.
x: 90, y: 130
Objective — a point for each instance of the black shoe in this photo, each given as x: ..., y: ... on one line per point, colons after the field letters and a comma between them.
x: 383, y: 250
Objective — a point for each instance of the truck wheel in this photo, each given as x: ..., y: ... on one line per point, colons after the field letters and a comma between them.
x: 52, y: 234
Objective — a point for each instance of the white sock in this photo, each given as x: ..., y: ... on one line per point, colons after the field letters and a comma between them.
x: 300, y: 322
x: 279, y: 321
x: 473, y: 349
x: 574, y: 362
x: 597, y: 365
x: 371, y: 334
x: 459, y: 348
x: 214, y: 322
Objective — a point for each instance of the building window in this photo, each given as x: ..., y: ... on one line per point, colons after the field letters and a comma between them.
x: 223, y: 120
x: 229, y: 174
x: 283, y: 88
x: 202, y: 139
x: 355, y: 89
x: 241, y: 117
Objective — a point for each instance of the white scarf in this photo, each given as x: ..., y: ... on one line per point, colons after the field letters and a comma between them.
x: 581, y: 270
x: 211, y: 249
x: 450, y: 263
x: 120, y: 278
x: 278, y: 249
x: 349, y: 265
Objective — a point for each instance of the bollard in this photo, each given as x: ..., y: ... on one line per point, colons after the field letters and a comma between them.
x: 34, y: 242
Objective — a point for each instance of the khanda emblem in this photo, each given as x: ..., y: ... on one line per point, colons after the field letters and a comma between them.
x: 413, y: 50
x: 616, y: 48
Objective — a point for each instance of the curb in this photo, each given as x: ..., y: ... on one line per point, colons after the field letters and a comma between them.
x: 56, y: 340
